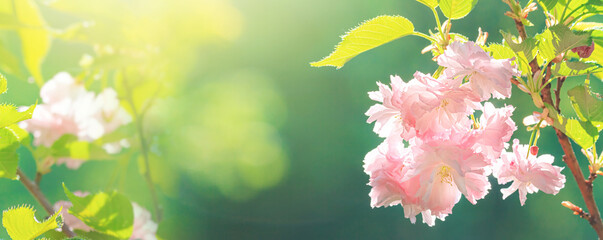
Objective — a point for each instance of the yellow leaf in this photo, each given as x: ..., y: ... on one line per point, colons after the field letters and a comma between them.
x: 368, y: 35
x: 35, y: 39
x: 21, y: 224
x: 429, y: 3
x: 456, y: 9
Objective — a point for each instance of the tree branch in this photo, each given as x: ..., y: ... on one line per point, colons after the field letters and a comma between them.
x: 39, y: 196
x: 594, y: 217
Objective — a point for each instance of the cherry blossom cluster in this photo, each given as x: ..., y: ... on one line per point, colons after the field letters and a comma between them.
x: 68, y: 108
x: 436, y: 150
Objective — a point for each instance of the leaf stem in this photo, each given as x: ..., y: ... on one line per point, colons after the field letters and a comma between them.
x: 420, y: 34
x: 35, y: 191
x: 437, y: 18
x: 144, y: 150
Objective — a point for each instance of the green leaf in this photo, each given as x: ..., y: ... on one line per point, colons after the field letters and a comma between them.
x: 92, y: 235
x: 572, y: 67
x: 547, y: 4
x: 9, y: 160
x: 368, y: 35
x: 69, y: 146
x: 3, y: 84
x: 10, y: 115
x: 559, y: 39
x: 456, y: 9
x: 35, y: 40
x: 429, y: 3
x: 587, y: 107
x: 499, y: 51
x: 21, y: 223
x: 109, y: 213
x: 10, y: 63
x: 584, y: 133
x: 577, y: 8
x: 524, y: 51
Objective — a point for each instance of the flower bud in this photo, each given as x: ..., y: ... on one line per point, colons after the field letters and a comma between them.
x: 534, y: 150
x: 537, y: 100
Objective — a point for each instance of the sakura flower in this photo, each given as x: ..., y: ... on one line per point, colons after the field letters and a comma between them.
x: 495, y: 130
x: 429, y: 177
x: 387, y: 114
x: 68, y: 108
x: 423, y: 107
x: 449, y: 165
x: 528, y: 173
x: 386, y: 167
x: 532, y: 120
x: 487, y: 76
x: 144, y: 228
x: 431, y: 106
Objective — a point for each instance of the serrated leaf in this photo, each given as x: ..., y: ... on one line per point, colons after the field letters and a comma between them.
x: 35, y: 40
x: 368, y: 35
x: 559, y: 39
x: 587, y: 107
x: 429, y: 3
x: 547, y: 4
x: 456, y: 9
x: 571, y: 68
x: 499, y: 51
x: 109, y: 213
x: 583, y: 133
x: 10, y: 115
x: 21, y: 223
x: 577, y: 8
x: 587, y: 26
x: 524, y: 51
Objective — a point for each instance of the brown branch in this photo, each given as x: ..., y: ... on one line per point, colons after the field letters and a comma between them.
x: 39, y: 196
x: 569, y: 158
x: 557, y: 93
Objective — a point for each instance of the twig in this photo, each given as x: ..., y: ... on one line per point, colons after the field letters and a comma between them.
x: 39, y: 196
x: 145, y: 152
x: 38, y: 178
x: 577, y: 210
x: 557, y: 93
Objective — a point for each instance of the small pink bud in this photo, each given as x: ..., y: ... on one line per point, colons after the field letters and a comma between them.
x: 584, y: 51
x: 534, y: 150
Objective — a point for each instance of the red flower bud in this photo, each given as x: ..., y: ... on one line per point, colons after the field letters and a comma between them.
x: 534, y: 150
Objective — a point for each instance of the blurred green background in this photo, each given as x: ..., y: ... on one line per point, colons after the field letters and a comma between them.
x: 256, y: 144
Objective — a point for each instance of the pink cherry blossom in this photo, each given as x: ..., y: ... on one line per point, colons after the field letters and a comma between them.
x: 387, y: 114
x: 68, y: 108
x: 423, y: 107
x: 453, y: 164
x: 386, y: 167
x: 487, y: 76
x: 528, y: 173
x: 495, y: 129
x: 144, y: 228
